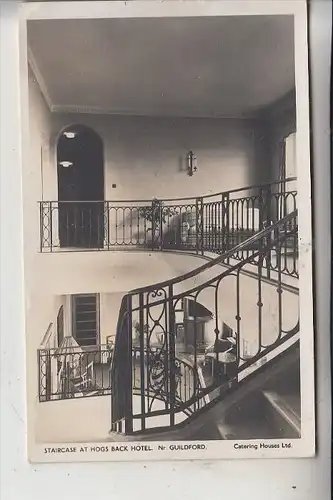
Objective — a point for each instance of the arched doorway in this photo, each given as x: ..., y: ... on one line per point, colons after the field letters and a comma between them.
x: 80, y: 164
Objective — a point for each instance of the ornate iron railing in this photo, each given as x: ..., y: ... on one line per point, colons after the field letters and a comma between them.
x: 212, y: 223
x: 161, y: 374
x: 74, y: 372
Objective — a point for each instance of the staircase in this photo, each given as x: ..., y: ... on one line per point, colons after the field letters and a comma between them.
x: 233, y: 393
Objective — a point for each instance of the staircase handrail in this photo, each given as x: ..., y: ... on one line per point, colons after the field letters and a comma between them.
x: 221, y: 258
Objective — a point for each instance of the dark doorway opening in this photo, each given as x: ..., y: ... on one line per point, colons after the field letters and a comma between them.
x: 80, y: 164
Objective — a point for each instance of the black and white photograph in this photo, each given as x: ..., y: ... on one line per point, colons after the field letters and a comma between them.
x: 167, y: 230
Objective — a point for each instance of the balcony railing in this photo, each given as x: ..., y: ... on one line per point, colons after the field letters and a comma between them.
x: 213, y: 223
x: 74, y: 372
x: 159, y: 379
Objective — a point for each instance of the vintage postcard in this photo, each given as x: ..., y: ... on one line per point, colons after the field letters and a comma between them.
x: 167, y: 230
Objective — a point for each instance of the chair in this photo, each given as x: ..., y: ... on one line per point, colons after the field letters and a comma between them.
x: 73, y: 381
x: 84, y: 381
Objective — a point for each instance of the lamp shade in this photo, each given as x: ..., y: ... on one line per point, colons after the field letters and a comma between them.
x: 68, y: 346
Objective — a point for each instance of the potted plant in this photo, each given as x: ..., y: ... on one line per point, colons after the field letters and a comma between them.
x: 157, y: 214
x: 136, y: 332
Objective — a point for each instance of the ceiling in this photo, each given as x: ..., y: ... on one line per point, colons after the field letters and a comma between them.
x: 211, y: 66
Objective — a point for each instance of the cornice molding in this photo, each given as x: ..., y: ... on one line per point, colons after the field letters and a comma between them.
x: 96, y: 110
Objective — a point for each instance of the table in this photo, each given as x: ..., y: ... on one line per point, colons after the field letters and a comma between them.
x: 223, y: 357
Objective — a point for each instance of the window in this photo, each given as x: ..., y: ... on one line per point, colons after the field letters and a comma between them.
x: 85, y: 314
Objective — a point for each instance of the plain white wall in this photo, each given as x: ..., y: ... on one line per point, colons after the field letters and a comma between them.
x: 299, y: 479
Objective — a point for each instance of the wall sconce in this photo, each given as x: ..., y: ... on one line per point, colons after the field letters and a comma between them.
x: 191, y: 163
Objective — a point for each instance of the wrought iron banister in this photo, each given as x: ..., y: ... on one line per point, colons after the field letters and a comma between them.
x: 210, y: 223
x: 148, y: 364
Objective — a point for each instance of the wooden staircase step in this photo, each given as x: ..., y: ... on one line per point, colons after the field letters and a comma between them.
x: 287, y: 407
